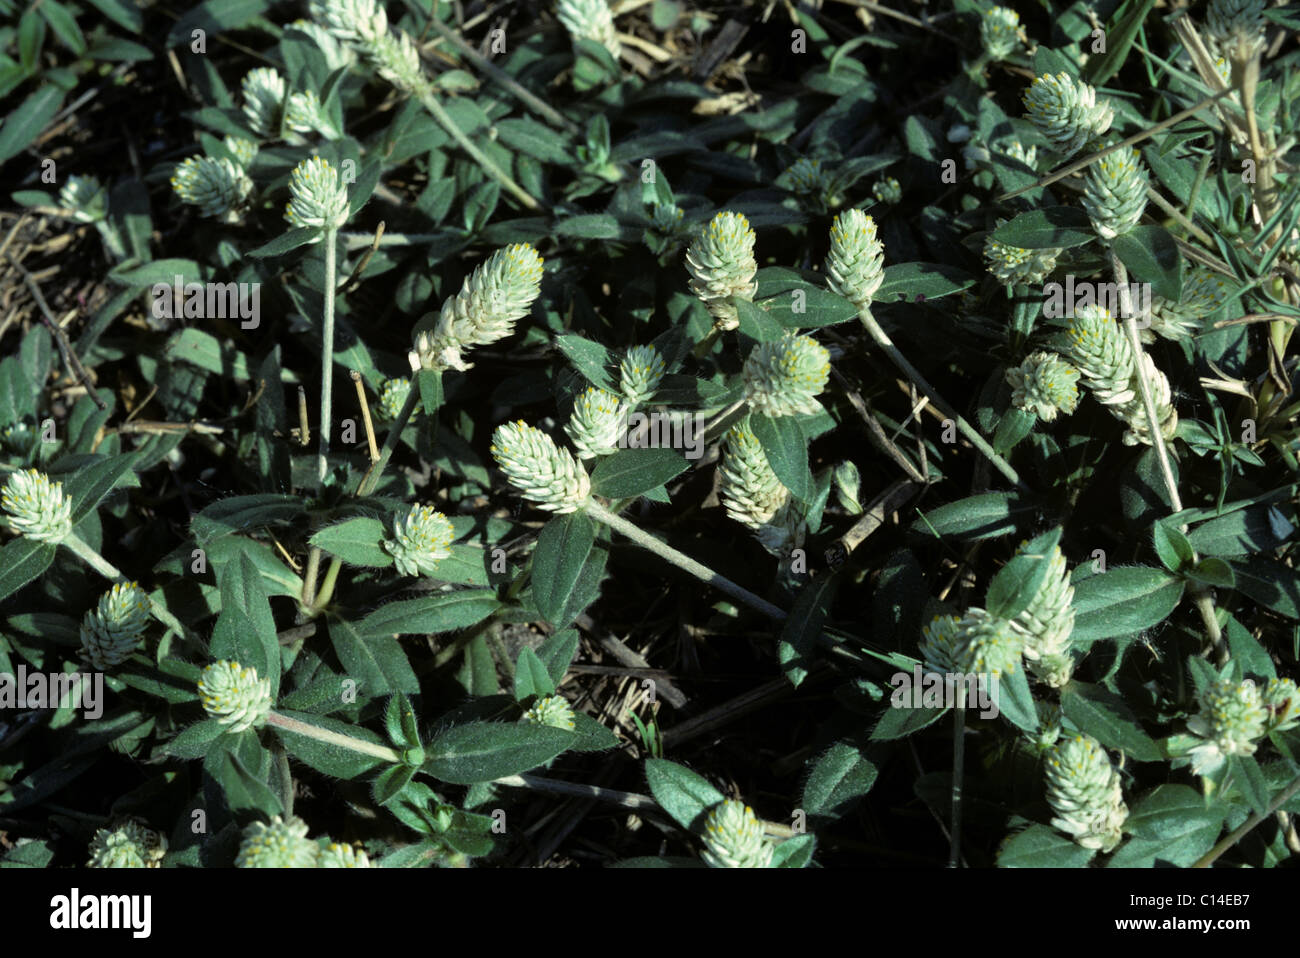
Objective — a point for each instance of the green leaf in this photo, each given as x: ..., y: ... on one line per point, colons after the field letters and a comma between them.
x: 64, y: 25
x: 198, y: 348
x: 786, y: 449
x: 376, y: 661
x: 484, y: 751
x: 839, y: 780
x: 121, y: 13
x: 21, y: 561
x: 1214, y: 572
x: 215, y: 16
x: 400, y: 723
x: 390, y: 783
x: 1122, y: 600
x: 1252, y: 530
x: 17, y: 393
x: 975, y: 517
x: 901, y: 721
x: 684, y: 795
x: 1175, y: 552
x: 531, y: 677
x: 1269, y: 583
x: 536, y: 140
x: 1249, y: 779
x: 557, y: 652
x: 194, y: 740
x: 757, y: 323
x: 429, y: 382
x: 1246, y: 650
x: 334, y: 760
x: 1016, y: 702
x: 919, y: 282
x: 430, y: 615
x: 1051, y: 227
x: 1151, y: 254
x: 597, y: 226
x: 589, y: 358
x: 1107, y: 718
x: 794, y: 852
x: 1018, y: 582
x: 1041, y: 847
x: 801, y: 630
x: 797, y: 302
x: 356, y: 541
x: 634, y: 472
x: 1125, y: 23
x: 24, y: 124
x: 286, y: 242
x: 91, y: 483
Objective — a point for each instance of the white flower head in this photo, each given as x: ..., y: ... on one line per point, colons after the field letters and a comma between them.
x: 1000, y: 32
x: 281, y: 844
x: 1115, y: 193
x: 127, y: 844
x: 217, y: 187
x: 318, y: 197
x: 640, y: 373
x: 36, y: 506
x: 784, y: 376
x: 85, y: 197
x: 1044, y: 384
x: 1084, y: 791
x: 111, y: 631
x: 721, y: 263
x: 733, y: 838
x: 234, y: 695
x: 596, y: 423
x: 855, y: 265
x: 421, y: 540
x: 1066, y: 111
x: 553, y: 711
x: 589, y: 20
x: 541, y: 471
x: 264, y: 92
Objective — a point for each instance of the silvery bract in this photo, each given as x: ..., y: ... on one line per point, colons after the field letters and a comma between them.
x: 1045, y: 385
x: 1000, y: 32
x: 1048, y: 622
x: 111, y: 631
x: 596, y: 423
x: 1083, y: 789
x: 721, y: 263
x: 264, y: 92
x: 553, y: 711
x: 589, y: 20
x: 640, y: 373
x: 317, y: 196
x: 783, y: 377
x: 855, y: 265
x: 1015, y: 266
x: 1232, y: 719
x: 1066, y: 111
x: 85, y: 197
x: 421, y: 540
x: 733, y: 838
x: 234, y: 695
x: 541, y: 471
x: 127, y: 844
x: 335, y: 855
x: 1115, y: 193
x: 36, y: 506
x: 217, y: 187
x: 281, y: 844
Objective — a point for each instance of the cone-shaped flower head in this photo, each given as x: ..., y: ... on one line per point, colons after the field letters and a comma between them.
x: 111, y: 631
x: 941, y: 645
x: 393, y: 395
x: 552, y: 710
x: 1102, y: 354
x: 1139, y: 429
x: 541, y: 471
x: 1044, y: 384
x: 1115, y: 193
x: 1083, y: 789
x: 420, y: 541
x: 281, y: 844
x: 666, y: 220
x: 855, y: 265
x: 1000, y: 32
x: 396, y: 59
x: 495, y: 295
x: 85, y: 197
x: 128, y: 844
x: 749, y: 489
x: 264, y: 91
x: 596, y: 423
x: 304, y: 113
x: 234, y: 695
x: 987, y: 644
x: 335, y: 855
x: 1232, y: 720
x: 1048, y: 622
x: 36, y: 506
x: 356, y: 21
x: 733, y: 838
x: 1015, y: 266
x: 721, y: 263
x: 1066, y: 111
x: 1282, y: 700
x: 640, y: 373
x: 1204, y: 293
x: 217, y: 187
x: 589, y: 20
x: 807, y: 177
x: 317, y: 196
x: 783, y: 376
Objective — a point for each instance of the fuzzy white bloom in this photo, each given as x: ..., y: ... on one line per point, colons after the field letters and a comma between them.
x: 111, y: 631
x: 733, y: 838
x: 234, y: 695
x: 85, y: 197
x: 589, y: 20
x: 987, y: 644
x: 281, y: 844
x: 1139, y: 430
x: 217, y: 187
x: 752, y: 494
x: 304, y: 113
x: 640, y: 373
x: 420, y: 541
x: 721, y: 263
x: 1236, y: 27
x: 357, y: 21
x: 1232, y: 720
x: 1084, y: 791
x: 1115, y: 193
x: 1047, y: 624
x: 1204, y: 293
x: 128, y: 844
x: 336, y: 855
x: 1044, y: 384
x: 941, y: 644
x: 553, y: 711
x: 1014, y: 266
x: 596, y: 423
x: 808, y: 177
x: 1000, y: 32
x: 396, y: 59
x: 36, y: 506
x: 784, y: 376
x: 364, y: 24
x: 541, y: 471
x: 492, y: 298
x: 855, y: 264
x: 1282, y: 699
x: 264, y: 92
x: 1066, y: 111
x: 317, y: 196
x: 243, y: 151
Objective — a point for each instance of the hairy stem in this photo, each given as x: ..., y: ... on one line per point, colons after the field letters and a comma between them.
x: 683, y: 561
x: 327, y: 354
x: 1241, y: 831
x: 332, y: 738
x: 371, y: 478
x: 86, y: 554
